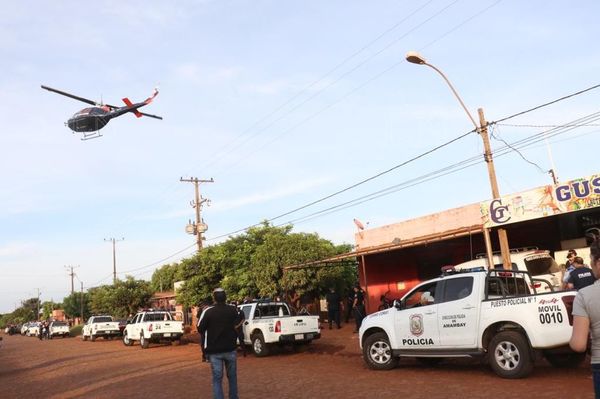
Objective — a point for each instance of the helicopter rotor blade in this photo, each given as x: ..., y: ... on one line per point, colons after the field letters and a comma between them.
x: 152, y: 116
x: 63, y: 93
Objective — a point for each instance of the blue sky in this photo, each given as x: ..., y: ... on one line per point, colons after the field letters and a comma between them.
x: 282, y: 103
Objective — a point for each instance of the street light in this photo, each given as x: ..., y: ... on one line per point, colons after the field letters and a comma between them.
x: 415, y: 58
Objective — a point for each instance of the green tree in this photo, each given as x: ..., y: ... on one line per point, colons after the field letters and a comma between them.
x: 48, y: 307
x: 72, y: 305
x: 122, y: 298
x: 252, y: 264
x: 164, y: 277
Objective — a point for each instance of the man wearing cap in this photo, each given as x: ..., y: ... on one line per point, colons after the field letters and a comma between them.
x: 217, y: 327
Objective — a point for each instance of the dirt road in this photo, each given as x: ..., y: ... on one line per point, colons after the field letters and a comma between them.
x: 331, y: 368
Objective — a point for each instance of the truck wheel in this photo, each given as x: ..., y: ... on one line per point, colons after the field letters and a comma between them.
x: 92, y: 337
x: 565, y: 360
x: 84, y: 337
x: 259, y: 347
x: 510, y: 356
x: 126, y: 340
x: 377, y: 352
x: 145, y: 343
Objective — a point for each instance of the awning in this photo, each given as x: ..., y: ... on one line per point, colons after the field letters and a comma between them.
x: 395, y: 245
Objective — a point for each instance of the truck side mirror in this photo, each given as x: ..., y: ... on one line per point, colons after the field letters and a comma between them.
x: 398, y: 304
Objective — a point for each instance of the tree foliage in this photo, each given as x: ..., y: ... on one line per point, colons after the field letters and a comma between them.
x: 122, y: 298
x: 48, y: 307
x: 72, y: 305
x: 251, y: 265
x: 164, y: 277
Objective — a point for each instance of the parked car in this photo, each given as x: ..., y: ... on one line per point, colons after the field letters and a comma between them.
x: 33, y: 330
x: 270, y: 323
x: 58, y: 329
x: 475, y: 313
x: 538, y: 263
x: 100, y: 326
x: 152, y: 326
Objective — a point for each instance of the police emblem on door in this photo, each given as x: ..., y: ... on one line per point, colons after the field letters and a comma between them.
x: 416, y: 324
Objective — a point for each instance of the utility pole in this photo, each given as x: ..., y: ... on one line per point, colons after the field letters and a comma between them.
x: 72, y: 274
x: 199, y: 227
x: 113, y: 240
x: 81, y: 302
x: 487, y: 155
x: 37, y: 316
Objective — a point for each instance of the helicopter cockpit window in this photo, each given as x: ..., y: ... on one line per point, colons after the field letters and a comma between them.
x: 84, y: 111
x: 96, y: 111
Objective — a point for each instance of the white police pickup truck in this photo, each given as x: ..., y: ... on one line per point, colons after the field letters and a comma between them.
x: 58, y: 329
x: 152, y: 326
x: 474, y: 313
x: 268, y: 323
x: 100, y: 326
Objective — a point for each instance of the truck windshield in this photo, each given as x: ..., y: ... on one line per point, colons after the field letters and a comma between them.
x: 272, y: 310
x: 541, y: 264
x: 157, y: 316
x: 103, y: 319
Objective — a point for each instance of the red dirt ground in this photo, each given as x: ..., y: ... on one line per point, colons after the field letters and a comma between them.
x: 330, y: 367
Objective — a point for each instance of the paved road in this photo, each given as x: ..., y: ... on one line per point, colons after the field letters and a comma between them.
x: 331, y: 368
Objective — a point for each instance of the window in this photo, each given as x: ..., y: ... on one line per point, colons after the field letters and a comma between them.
x: 103, y: 319
x: 271, y: 310
x: 159, y: 316
x: 457, y: 288
x: 422, y: 296
x: 246, y: 310
x: 538, y: 265
x: 507, y: 286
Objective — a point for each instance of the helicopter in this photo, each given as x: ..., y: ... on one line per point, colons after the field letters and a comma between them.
x: 90, y: 120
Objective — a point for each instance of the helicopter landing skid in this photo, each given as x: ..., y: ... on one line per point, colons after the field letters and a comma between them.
x: 89, y: 136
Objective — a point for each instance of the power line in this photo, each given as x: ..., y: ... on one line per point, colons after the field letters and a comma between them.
x: 546, y: 104
x: 404, y: 163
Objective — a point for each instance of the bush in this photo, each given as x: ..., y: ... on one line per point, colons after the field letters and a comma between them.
x: 75, y: 330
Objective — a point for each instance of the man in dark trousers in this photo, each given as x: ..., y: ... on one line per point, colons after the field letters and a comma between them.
x: 217, y: 327
x: 580, y: 276
x: 358, y: 306
x: 333, y: 307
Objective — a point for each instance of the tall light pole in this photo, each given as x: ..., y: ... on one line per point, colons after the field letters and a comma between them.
x: 113, y: 240
x: 481, y: 128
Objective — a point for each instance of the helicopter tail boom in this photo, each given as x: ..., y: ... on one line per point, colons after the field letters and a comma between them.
x: 130, y: 104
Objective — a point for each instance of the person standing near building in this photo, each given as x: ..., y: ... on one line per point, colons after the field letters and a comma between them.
x: 568, y: 267
x: 358, y: 306
x: 586, y: 317
x: 333, y: 307
x: 580, y: 276
x: 217, y: 327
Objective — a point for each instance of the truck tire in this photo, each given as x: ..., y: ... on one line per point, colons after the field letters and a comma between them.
x: 92, y: 337
x: 510, y: 355
x: 144, y: 342
x: 565, y: 360
x: 84, y: 337
x: 126, y: 340
x: 259, y: 347
x: 377, y: 352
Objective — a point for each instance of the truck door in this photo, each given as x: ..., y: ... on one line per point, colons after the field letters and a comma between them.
x: 417, y: 323
x: 458, y: 312
x: 247, y: 309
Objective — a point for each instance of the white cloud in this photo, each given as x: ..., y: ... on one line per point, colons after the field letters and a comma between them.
x: 277, y: 193
x: 13, y: 249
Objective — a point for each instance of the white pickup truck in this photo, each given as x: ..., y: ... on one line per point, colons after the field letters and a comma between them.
x: 268, y: 323
x: 58, y: 328
x: 152, y: 326
x: 474, y: 313
x: 100, y: 326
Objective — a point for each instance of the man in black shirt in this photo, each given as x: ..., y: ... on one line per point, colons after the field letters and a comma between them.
x: 333, y: 307
x: 358, y: 306
x: 581, y: 276
x: 217, y: 327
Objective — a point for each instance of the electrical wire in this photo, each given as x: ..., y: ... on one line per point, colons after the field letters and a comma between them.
x: 546, y: 104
